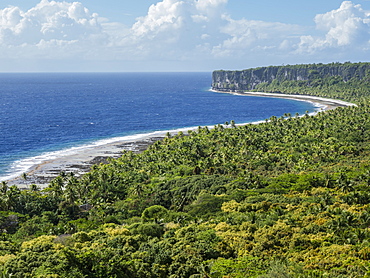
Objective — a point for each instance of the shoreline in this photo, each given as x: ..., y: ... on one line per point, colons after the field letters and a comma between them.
x: 81, y: 161
x: 328, y: 103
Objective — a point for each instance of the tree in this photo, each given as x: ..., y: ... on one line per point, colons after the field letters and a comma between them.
x: 154, y: 213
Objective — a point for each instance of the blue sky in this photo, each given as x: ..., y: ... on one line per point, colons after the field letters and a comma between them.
x: 179, y: 35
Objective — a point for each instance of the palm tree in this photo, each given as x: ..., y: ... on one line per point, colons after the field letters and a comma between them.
x: 25, y: 177
x: 34, y: 187
x: 4, y: 187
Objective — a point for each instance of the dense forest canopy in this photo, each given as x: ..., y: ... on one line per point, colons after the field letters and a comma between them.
x: 289, y: 197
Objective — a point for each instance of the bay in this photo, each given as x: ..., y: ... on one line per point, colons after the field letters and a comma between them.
x: 42, y: 113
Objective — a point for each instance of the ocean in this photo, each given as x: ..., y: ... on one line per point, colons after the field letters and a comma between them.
x: 44, y: 115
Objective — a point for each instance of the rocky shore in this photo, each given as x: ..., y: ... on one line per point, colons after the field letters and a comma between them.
x: 81, y: 162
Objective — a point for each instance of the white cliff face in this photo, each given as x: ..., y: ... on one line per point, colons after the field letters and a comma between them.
x: 250, y: 78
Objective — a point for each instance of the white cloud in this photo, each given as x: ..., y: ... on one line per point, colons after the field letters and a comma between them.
x: 162, y: 17
x: 208, y: 5
x: 48, y: 26
x: 175, y: 31
x: 347, y: 26
x: 174, y: 28
x: 251, y: 35
x: 191, y: 29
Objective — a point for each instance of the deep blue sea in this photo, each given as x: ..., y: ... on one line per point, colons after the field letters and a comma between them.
x: 49, y: 113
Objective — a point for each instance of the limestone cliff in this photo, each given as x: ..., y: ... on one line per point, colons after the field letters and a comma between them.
x: 248, y: 79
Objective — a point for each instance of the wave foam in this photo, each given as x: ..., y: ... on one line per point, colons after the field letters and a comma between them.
x: 25, y: 165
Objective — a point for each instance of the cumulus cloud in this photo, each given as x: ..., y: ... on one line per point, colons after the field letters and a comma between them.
x: 170, y: 15
x: 49, y: 25
x: 173, y: 30
x: 205, y: 5
x: 202, y: 28
x: 165, y: 16
x: 183, y: 26
x: 251, y: 35
x: 347, y: 26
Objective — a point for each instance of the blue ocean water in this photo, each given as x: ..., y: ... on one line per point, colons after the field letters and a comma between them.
x: 43, y: 113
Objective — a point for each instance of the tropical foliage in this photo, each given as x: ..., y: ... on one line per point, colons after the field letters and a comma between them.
x: 286, y: 198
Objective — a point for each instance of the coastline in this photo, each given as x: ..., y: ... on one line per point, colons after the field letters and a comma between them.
x: 327, y: 103
x: 80, y: 161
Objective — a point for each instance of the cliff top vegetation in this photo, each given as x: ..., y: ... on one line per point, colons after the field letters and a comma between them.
x: 347, y: 81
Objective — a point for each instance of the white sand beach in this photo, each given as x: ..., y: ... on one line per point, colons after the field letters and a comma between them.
x: 327, y: 103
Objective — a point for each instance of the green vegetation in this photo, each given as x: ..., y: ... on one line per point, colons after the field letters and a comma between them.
x: 348, y: 81
x: 286, y: 198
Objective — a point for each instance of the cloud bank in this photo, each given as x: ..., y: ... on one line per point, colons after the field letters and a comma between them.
x: 345, y: 28
x: 178, y: 34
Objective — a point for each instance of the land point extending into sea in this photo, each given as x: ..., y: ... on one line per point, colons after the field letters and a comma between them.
x: 80, y: 162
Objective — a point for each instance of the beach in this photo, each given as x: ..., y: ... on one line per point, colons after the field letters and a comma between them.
x: 80, y: 162
x: 325, y: 103
x: 81, y: 159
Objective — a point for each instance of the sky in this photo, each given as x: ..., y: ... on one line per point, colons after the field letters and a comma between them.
x: 179, y: 35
